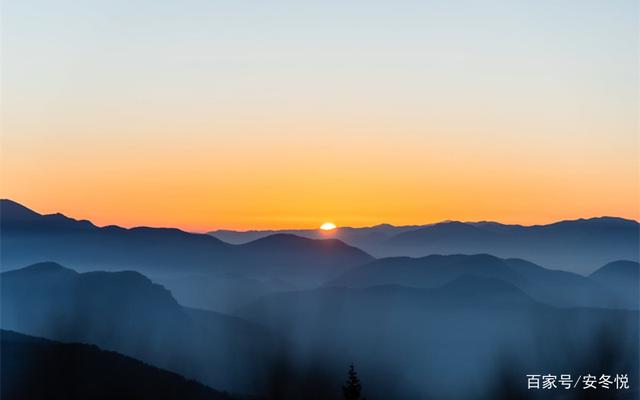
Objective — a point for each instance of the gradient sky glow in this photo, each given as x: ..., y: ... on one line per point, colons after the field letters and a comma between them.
x: 249, y: 114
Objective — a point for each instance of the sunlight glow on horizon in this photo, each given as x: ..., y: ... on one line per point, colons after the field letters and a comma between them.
x: 328, y: 226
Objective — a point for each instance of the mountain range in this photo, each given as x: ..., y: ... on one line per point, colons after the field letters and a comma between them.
x: 580, y: 245
x: 615, y: 285
x: 82, y: 245
x: 468, y: 324
x: 360, y: 237
x: 127, y: 313
x: 201, y: 270
x: 206, y: 272
x: 458, y: 310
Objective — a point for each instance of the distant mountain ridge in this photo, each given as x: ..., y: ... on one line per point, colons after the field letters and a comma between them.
x: 553, y: 287
x: 82, y: 245
x: 205, y: 272
x: 621, y: 277
x: 354, y: 236
x: 580, y: 245
x: 128, y: 313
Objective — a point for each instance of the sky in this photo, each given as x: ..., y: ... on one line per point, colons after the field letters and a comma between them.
x: 286, y: 114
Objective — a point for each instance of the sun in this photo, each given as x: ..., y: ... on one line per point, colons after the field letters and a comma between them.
x: 328, y: 226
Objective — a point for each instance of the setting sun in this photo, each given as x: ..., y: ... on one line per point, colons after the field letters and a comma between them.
x: 328, y: 226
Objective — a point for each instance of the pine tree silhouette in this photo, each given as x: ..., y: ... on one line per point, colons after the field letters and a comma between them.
x: 352, y: 388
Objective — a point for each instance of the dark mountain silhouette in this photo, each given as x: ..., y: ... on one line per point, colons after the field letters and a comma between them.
x: 80, y: 244
x: 367, y: 237
x: 15, y: 216
x: 182, y: 261
x: 618, y: 272
x: 440, y: 326
x: 127, y: 313
x: 35, y: 368
x: 449, y: 341
x: 579, y: 246
x: 285, y: 255
x: 623, y: 277
x: 559, y: 288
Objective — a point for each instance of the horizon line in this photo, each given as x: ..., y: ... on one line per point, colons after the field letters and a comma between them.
x: 418, y: 225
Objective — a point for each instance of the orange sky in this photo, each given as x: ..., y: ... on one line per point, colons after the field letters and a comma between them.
x: 245, y: 118
x: 288, y: 180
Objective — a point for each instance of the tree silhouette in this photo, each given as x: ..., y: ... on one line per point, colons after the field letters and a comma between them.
x: 352, y: 388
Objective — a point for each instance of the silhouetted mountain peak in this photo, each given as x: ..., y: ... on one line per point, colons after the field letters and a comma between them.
x: 120, y: 281
x: 622, y: 278
x: 449, y: 230
x: 103, y: 298
x: 46, y: 267
x: 595, y: 224
x: 280, y: 238
x: 292, y: 242
x: 622, y: 269
x: 453, y: 226
x: 606, y: 219
x: 12, y: 210
x: 16, y: 216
